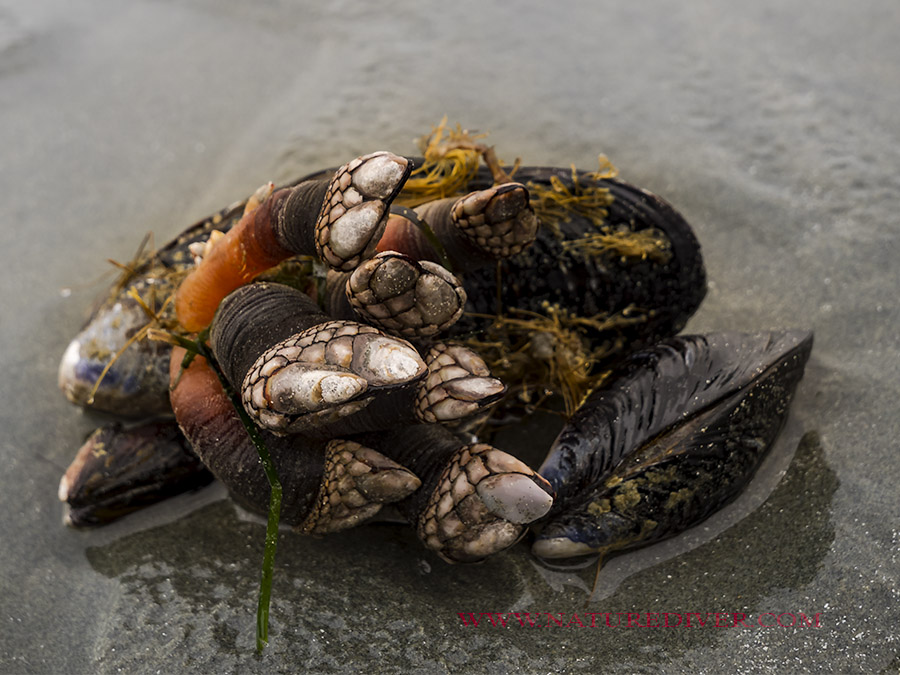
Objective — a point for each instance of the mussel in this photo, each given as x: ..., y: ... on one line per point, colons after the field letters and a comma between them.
x: 675, y: 434
x: 121, y: 469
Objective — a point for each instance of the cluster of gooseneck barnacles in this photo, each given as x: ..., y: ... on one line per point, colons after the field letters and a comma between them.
x: 330, y: 346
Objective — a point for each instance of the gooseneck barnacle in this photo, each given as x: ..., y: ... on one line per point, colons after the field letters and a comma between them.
x: 327, y: 485
x: 401, y: 295
x: 293, y: 364
x: 349, y: 332
x: 475, y: 500
x: 339, y: 219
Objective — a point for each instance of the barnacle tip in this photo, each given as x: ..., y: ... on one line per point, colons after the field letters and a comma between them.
x: 514, y: 497
x: 300, y: 388
x: 481, y: 390
x: 340, y: 387
x: 63, y: 492
x: 391, y: 361
x: 388, y: 484
x: 353, y: 231
x: 381, y: 174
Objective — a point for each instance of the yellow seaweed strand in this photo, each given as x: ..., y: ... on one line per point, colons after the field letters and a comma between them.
x: 551, y: 353
x: 559, y: 203
x: 649, y: 243
x: 605, y: 169
x: 450, y: 163
x: 132, y: 268
x: 452, y: 158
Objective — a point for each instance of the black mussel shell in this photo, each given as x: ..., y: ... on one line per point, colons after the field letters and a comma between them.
x: 676, y: 434
x: 657, y: 295
x: 119, y: 470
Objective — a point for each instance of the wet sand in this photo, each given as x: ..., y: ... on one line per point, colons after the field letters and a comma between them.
x: 772, y: 127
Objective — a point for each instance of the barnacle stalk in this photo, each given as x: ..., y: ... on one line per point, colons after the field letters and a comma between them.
x: 475, y: 500
x: 482, y: 226
x: 456, y: 385
x: 295, y: 367
x: 465, y: 233
x: 407, y: 233
x: 327, y: 485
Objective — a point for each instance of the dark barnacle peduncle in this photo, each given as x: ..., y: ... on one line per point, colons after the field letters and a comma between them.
x: 456, y: 386
x: 466, y: 232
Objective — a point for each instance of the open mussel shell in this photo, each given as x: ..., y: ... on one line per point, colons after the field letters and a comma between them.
x: 675, y: 435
